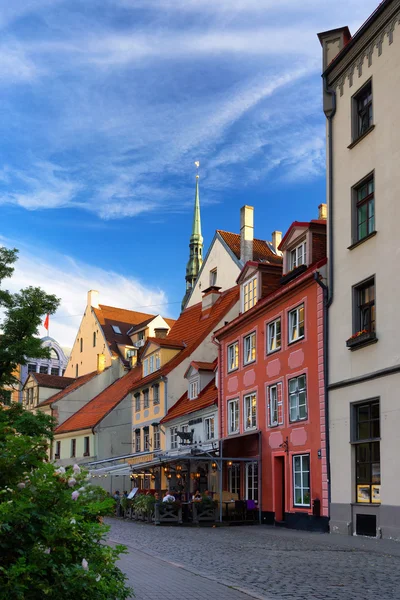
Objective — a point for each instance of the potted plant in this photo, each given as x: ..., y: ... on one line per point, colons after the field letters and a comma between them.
x: 360, y: 337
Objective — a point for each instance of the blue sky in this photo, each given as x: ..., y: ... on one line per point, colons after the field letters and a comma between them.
x: 105, y: 106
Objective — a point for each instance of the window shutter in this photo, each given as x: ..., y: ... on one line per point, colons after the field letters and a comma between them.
x: 280, y: 403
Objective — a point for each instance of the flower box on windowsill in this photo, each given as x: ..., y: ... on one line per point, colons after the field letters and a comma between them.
x: 362, y: 338
x: 293, y: 274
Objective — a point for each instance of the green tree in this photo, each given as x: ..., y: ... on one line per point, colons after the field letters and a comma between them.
x: 23, y: 314
x: 52, y: 539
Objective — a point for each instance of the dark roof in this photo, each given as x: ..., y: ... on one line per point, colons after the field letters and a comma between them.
x: 74, y: 385
x: 52, y: 381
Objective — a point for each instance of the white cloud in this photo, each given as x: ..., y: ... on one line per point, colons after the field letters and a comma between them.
x: 70, y: 280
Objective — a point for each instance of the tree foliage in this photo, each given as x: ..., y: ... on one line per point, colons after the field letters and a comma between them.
x: 23, y: 314
x: 52, y: 539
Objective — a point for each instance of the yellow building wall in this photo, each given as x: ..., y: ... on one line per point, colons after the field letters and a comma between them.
x: 146, y: 416
x: 66, y: 439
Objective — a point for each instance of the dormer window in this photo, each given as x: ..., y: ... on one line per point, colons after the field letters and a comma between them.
x: 145, y: 367
x: 194, y: 389
x: 298, y: 256
x: 116, y: 329
x: 249, y: 294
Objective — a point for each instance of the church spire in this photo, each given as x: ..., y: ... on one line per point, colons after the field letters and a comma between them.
x: 196, y: 245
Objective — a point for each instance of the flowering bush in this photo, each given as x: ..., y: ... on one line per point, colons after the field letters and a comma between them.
x: 52, y: 540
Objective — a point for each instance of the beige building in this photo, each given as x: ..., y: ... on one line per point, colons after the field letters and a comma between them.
x: 108, y: 334
x: 361, y: 81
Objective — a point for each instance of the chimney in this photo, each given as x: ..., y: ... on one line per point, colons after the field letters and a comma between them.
x: 246, y: 233
x: 276, y: 240
x: 332, y: 43
x: 161, y: 332
x: 210, y: 296
x: 133, y: 360
x: 93, y: 298
x: 101, y: 362
x: 322, y: 211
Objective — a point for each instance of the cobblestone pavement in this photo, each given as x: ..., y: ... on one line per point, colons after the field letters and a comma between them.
x: 262, y: 562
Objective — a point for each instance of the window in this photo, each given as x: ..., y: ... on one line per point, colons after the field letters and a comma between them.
x: 94, y: 338
x: 250, y: 411
x: 301, y: 480
x: 298, y: 256
x: 31, y: 368
x: 273, y: 402
x: 366, y: 436
x: 252, y: 481
x: 364, y: 317
x: 156, y: 394
x: 81, y: 344
x: 44, y: 370
x: 234, y: 478
x: 53, y: 354
x: 249, y: 294
x: 233, y: 356
x: 146, y: 398
x: 249, y: 348
x: 209, y: 427
x: 151, y: 364
x: 274, y: 336
x: 174, y: 437
x: 362, y: 110
x: 32, y: 394
x: 213, y: 277
x: 296, y: 324
x: 73, y: 448
x: 76, y: 370
x: 145, y: 367
x: 364, y: 214
x: 297, y: 398
x: 156, y: 437
x: 116, y: 329
x: 137, y: 402
x: 137, y: 441
x: 54, y: 371
x: 233, y: 416
x: 194, y: 389
x: 140, y: 335
x: 146, y: 438
x: 86, y: 446
x: 57, y: 452
x: 157, y: 355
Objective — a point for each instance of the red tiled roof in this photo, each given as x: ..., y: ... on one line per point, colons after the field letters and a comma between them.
x: 305, y: 224
x: 74, y: 385
x: 261, y: 250
x: 166, y: 342
x: 52, y: 381
x: 207, y: 397
x: 204, y: 366
x: 94, y: 411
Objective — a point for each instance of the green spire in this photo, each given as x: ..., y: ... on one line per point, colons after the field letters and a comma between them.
x: 196, y: 246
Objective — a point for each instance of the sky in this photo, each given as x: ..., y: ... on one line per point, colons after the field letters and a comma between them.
x: 105, y: 105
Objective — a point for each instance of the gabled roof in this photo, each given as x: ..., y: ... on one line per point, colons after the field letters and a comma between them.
x: 262, y: 251
x: 52, y: 381
x: 74, y: 385
x: 144, y: 324
x: 94, y: 411
x: 166, y: 342
x: 301, y: 225
x: 201, y: 366
x: 207, y: 397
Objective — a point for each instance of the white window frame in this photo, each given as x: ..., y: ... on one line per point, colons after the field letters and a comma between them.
x: 252, y: 476
x: 146, y: 439
x: 233, y: 416
x: 174, y: 438
x: 300, y: 470
x: 156, y: 394
x: 233, y: 357
x: 213, y: 277
x: 234, y: 478
x: 249, y: 414
x: 294, y: 322
x: 145, y: 367
x: 298, y: 256
x: 273, y: 405
x: 249, y: 344
x: 138, y: 441
x: 151, y: 364
x: 194, y: 389
x: 157, y: 355
x: 156, y: 437
x: 272, y: 336
x: 146, y: 398
x: 209, y: 428
x: 249, y: 293
x: 137, y: 402
x: 294, y: 396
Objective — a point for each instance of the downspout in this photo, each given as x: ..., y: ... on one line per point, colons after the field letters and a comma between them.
x: 221, y: 443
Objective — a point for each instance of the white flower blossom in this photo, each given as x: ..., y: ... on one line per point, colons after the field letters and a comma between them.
x: 73, y: 521
x: 60, y: 471
x: 75, y: 495
x: 76, y: 469
x: 21, y: 485
x: 98, y: 577
x: 85, y: 564
x: 71, y: 482
x: 82, y: 489
x: 47, y: 551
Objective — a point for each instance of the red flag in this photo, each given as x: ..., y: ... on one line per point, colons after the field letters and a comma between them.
x: 46, y: 322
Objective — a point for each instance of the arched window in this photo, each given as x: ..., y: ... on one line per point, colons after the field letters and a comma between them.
x: 54, y: 355
x: 81, y: 344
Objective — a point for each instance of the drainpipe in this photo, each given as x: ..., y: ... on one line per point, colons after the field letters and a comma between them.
x: 329, y: 115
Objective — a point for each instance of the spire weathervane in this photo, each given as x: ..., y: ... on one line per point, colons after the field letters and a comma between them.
x: 197, y: 163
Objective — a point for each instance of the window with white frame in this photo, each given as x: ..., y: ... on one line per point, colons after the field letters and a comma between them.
x: 146, y: 438
x: 213, y: 277
x: 301, y: 480
x: 298, y: 398
x: 234, y: 478
x: 249, y: 292
x: 274, y: 336
x: 194, y: 389
x: 151, y: 364
x: 157, y: 355
x: 233, y: 356
x: 137, y: 401
x: 250, y: 411
x: 156, y: 393
x: 146, y: 398
x: 174, y: 437
x: 156, y: 437
x: 145, y: 367
x: 249, y: 348
x: 296, y: 323
x: 233, y: 416
x: 273, y: 405
x: 209, y: 424
x: 252, y: 481
x: 137, y: 440
x: 298, y: 256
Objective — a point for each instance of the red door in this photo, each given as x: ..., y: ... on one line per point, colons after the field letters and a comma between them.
x: 279, y: 488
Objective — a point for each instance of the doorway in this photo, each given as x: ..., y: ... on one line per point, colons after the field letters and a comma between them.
x: 279, y: 488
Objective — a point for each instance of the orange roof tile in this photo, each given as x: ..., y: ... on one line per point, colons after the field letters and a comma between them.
x: 74, y: 385
x: 52, y: 381
x: 204, y: 366
x: 166, y: 342
x: 207, y: 397
x: 261, y: 249
x: 94, y: 411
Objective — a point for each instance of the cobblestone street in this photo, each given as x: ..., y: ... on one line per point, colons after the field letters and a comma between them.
x: 235, y: 563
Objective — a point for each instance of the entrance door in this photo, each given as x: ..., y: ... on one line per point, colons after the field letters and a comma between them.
x: 279, y: 488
